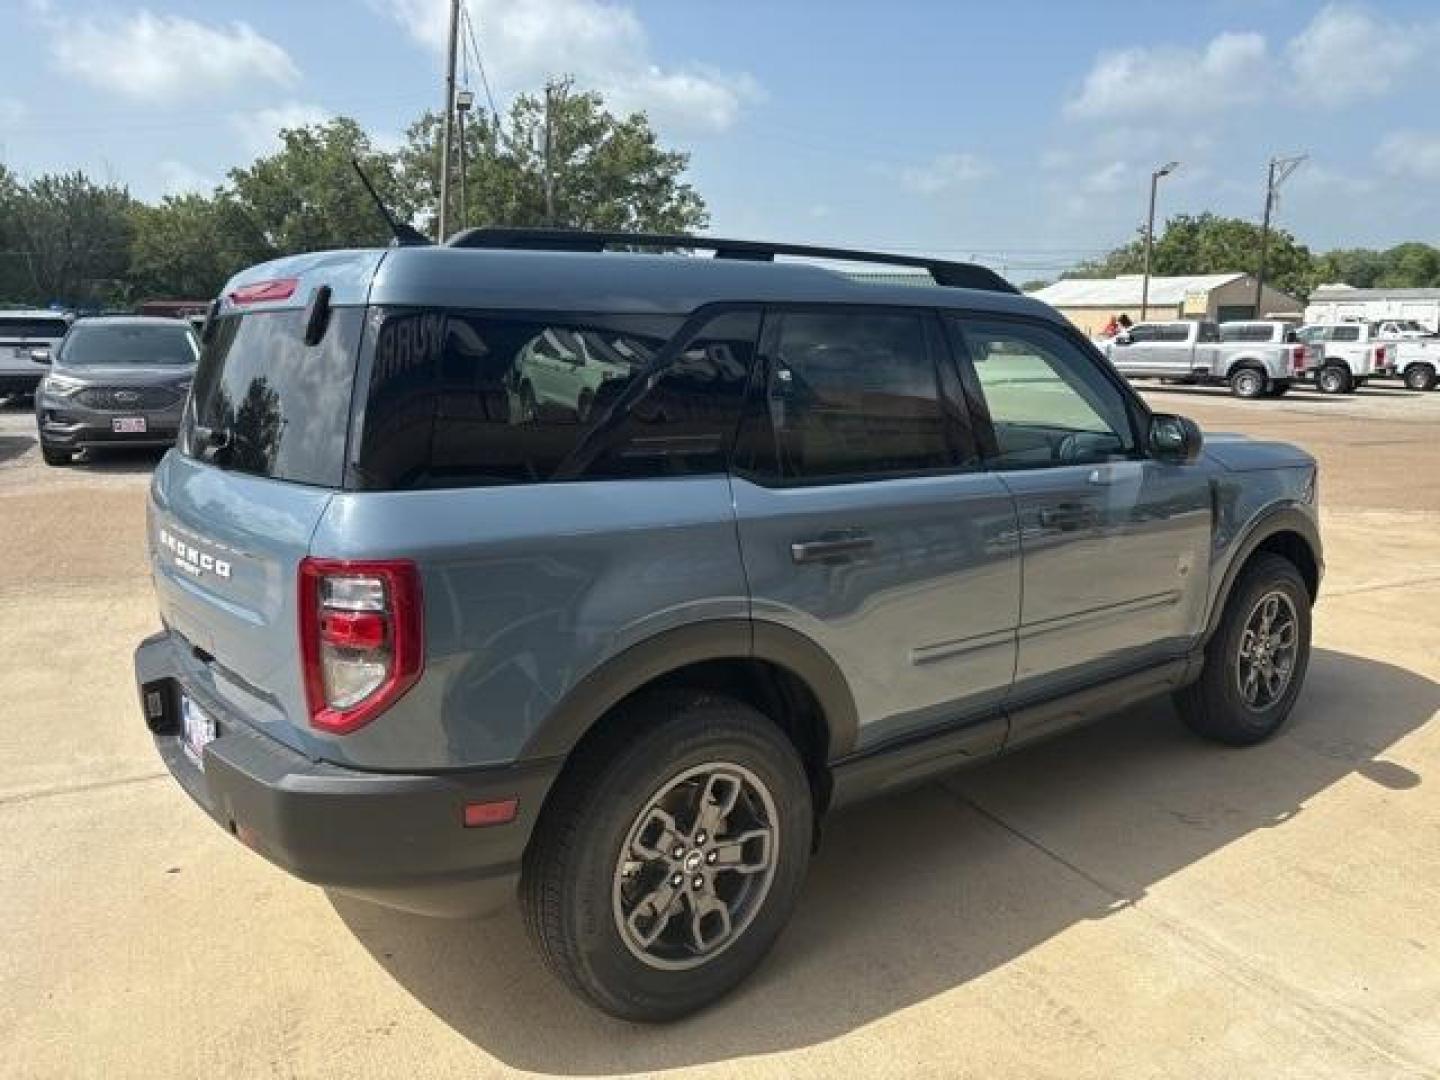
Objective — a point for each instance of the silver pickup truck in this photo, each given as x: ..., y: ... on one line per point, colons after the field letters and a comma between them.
x: 1417, y: 351
x: 1255, y: 359
x: 1353, y: 355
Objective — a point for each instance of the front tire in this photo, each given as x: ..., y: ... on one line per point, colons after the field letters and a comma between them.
x: 1256, y: 661
x: 1420, y: 377
x: 1334, y: 379
x: 1248, y: 383
x: 669, y: 856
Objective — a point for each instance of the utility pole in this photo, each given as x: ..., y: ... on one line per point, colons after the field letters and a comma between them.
x: 464, y: 99
x: 1164, y: 170
x: 446, y: 148
x: 554, y: 97
x: 1280, y: 170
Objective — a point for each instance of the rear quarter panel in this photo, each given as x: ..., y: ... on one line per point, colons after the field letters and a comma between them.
x: 528, y: 589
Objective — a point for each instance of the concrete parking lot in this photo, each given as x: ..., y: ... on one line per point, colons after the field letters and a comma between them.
x: 1122, y: 901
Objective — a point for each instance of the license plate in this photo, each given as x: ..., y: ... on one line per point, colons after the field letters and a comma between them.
x: 128, y: 425
x: 197, y: 727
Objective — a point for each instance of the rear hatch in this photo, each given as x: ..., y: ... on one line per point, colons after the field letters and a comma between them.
x: 23, y: 335
x: 260, y: 453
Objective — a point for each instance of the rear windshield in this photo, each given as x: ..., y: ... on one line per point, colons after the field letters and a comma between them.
x: 118, y: 343
x: 33, y: 328
x: 266, y: 404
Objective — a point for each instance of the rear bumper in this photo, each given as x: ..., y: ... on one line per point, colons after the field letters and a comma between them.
x: 392, y: 838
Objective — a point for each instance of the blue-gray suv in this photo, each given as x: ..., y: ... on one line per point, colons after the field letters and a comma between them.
x: 784, y: 539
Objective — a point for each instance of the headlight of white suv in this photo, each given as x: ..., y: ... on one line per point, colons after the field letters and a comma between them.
x: 61, y: 385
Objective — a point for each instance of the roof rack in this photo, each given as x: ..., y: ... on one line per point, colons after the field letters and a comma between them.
x: 953, y: 274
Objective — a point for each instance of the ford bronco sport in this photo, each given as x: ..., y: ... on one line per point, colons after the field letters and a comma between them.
x: 808, y: 539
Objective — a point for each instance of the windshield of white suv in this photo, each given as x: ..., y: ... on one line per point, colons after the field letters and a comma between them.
x: 128, y: 344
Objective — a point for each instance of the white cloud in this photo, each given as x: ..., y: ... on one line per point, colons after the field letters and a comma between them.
x: 1347, y: 54
x: 260, y: 130
x: 178, y: 178
x: 1413, y: 155
x: 945, y: 173
x: 1163, y: 81
x: 1108, y: 179
x: 603, y: 44
x: 162, y: 58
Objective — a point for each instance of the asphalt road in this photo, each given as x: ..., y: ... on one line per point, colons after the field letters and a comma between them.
x: 1122, y: 901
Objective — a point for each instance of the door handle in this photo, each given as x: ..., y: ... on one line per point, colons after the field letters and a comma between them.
x: 830, y: 548
x: 1066, y: 517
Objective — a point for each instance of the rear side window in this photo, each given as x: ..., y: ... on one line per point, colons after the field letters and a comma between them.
x: 852, y: 395
x: 1173, y: 333
x: 33, y: 328
x: 1246, y: 332
x: 265, y: 403
x: 465, y: 399
x: 1345, y: 333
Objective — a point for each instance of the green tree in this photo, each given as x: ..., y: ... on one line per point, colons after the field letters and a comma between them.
x: 74, y: 236
x: 606, y: 172
x: 306, y: 197
x: 15, y: 283
x: 187, y: 246
x: 1209, y: 244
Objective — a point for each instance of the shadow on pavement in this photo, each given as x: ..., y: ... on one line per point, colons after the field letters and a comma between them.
x: 919, y: 893
x: 12, y: 446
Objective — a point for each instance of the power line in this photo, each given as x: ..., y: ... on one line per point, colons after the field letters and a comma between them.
x: 474, y: 46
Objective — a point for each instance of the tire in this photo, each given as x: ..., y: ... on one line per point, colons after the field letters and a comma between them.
x: 587, y: 908
x: 1226, y: 704
x: 1248, y: 383
x: 55, y: 456
x: 1420, y: 377
x: 1334, y: 379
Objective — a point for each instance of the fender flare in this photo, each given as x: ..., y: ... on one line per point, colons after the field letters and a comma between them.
x: 717, y: 639
x: 1282, y: 519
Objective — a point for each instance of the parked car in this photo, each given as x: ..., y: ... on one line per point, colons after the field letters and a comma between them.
x: 565, y: 369
x: 1417, y: 351
x: 1353, y: 355
x: 831, y: 539
x: 115, y: 381
x: 27, y: 340
x: 1258, y: 359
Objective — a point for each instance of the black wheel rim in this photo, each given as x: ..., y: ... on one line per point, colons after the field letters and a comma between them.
x: 1269, y: 646
x: 696, y: 866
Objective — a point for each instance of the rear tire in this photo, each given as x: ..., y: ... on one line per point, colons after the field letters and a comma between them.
x: 622, y: 837
x: 1248, y: 383
x: 53, y: 455
x: 1334, y: 379
x: 1420, y: 377
x: 1254, y: 666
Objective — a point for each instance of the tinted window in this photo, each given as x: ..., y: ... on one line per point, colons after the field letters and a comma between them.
x: 1345, y: 333
x: 1143, y: 333
x: 470, y: 399
x: 1048, y: 402
x: 1209, y: 333
x: 1246, y: 332
x: 33, y: 328
x: 118, y: 343
x: 276, y: 407
x: 851, y: 395
x: 1173, y: 333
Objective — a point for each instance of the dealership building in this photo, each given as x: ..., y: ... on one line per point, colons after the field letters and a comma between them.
x: 1090, y: 303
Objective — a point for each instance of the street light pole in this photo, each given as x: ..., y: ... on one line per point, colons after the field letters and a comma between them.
x: 449, y: 129
x: 1164, y: 170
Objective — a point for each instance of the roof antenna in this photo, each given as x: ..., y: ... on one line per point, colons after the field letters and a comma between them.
x: 405, y: 234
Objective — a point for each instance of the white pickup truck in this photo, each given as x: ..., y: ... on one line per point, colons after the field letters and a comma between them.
x: 1255, y: 359
x: 1353, y: 355
x: 1417, y: 351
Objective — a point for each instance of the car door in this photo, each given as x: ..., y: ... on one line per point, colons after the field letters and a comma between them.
x: 867, y: 525
x: 1114, y: 546
x: 1133, y: 352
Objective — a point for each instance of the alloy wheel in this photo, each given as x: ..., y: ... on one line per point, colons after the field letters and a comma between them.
x: 1268, y: 647
x: 696, y: 866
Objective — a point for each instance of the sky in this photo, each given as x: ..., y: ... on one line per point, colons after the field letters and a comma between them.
x: 1022, y: 135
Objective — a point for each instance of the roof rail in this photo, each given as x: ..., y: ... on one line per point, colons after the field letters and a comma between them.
x: 953, y: 274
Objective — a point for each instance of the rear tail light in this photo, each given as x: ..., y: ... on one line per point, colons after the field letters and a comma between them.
x: 361, y: 638
x: 1298, y: 358
x: 1380, y: 356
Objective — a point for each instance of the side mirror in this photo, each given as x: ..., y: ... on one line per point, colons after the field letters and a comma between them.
x: 1175, y: 439
x: 40, y: 356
